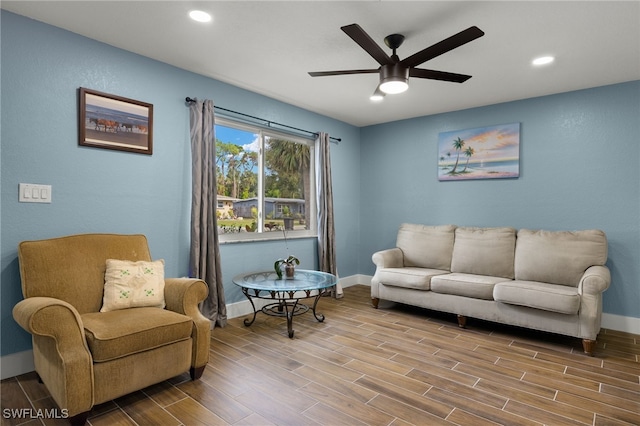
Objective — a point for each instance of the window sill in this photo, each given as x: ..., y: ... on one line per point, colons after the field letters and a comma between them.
x: 252, y: 237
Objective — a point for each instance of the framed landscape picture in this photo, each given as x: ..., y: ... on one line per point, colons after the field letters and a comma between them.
x: 491, y: 152
x: 113, y: 122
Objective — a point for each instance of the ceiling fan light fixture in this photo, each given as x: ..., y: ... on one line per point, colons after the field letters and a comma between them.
x: 393, y: 87
x: 393, y: 79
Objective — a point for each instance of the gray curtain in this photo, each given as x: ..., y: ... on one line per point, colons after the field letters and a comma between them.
x: 205, y: 254
x: 324, y: 191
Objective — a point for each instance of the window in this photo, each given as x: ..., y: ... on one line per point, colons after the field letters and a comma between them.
x: 266, y: 177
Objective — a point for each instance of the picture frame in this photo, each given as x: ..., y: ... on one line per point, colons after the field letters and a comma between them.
x: 115, y: 122
x: 491, y: 152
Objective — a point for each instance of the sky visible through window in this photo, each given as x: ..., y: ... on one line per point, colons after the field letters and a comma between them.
x: 247, y: 140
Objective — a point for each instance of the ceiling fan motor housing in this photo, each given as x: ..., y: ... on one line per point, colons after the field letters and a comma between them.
x: 394, y: 78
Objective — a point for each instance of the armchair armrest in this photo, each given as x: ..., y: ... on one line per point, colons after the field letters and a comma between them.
x: 46, y: 316
x: 595, y: 280
x: 183, y: 295
x: 389, y: 258
x: 60, y: 350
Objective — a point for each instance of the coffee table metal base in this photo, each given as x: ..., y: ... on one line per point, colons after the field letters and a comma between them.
x: 288, y: 305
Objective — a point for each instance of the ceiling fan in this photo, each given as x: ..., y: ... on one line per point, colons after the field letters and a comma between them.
x: 395, y: 73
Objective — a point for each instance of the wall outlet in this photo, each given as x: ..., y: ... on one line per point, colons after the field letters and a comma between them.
x: 32, y: 193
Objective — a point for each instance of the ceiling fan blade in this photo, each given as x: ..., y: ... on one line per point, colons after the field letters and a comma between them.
x: 366, y: 42
x: 457, y: 40
x: 346, y: 72
x: 438, y: 75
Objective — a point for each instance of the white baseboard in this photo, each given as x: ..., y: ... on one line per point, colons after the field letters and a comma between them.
x: 242, y: 308
x: 358, y: 279
x: 620, y: 323
x: 16, y: 364
x: 22, y: 362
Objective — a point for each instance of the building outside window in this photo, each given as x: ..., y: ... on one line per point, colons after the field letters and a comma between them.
x: 267, y: 177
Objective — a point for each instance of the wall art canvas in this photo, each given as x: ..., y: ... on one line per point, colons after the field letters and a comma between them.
x: 491, y: 152
x: 114, y: 122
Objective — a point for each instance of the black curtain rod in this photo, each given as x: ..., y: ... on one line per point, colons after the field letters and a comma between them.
x: 269, y: 122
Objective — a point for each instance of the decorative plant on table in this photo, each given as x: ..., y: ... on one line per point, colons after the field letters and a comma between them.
x: 289, y: 262
x: 289, y: 266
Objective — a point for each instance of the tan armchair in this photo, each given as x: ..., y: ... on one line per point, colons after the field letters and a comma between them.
x: 86, y: 357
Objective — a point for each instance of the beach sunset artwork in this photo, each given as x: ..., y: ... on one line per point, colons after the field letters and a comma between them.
x: 491, y: 152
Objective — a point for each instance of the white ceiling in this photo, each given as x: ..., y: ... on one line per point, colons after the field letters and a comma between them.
x: 268, y: 47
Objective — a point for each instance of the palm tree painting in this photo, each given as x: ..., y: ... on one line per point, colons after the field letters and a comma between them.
x: 458, y: 144
x: 469, y: 153
x: 491, y: 152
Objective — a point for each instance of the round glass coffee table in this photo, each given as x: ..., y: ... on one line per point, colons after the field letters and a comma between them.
x: 286, y: 292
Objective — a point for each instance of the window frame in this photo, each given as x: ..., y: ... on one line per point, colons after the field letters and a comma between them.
x: 264, y: 132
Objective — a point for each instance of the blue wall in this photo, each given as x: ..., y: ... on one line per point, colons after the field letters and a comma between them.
x: 579, y: 169
x: 97, y: 190
x: 580, y: 161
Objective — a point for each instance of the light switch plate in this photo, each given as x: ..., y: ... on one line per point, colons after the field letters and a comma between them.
x: 33, y: 193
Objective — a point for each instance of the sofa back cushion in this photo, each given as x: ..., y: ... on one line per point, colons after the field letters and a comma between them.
x: 484, y: 251
x: 426, y: 246
x: 558, y: 257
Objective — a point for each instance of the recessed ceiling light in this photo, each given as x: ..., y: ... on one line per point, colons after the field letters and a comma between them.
x: 200, y: 16
x: 543, y: 60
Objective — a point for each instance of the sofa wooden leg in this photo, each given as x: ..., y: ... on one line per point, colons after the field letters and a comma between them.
x: 196, y: 372
x: 79, y: 419
x: 588, y: 346
x: 462, y: 321
x: 374, y: 302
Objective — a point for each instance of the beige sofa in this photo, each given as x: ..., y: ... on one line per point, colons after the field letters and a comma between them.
x: 543, y: 280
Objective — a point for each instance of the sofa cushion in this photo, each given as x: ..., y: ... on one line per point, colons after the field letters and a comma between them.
x: 426, y: 246
x: 418, y: 278
x: 548, y: 297
x: 115, y: 334
x: 468, y: 285
x: 484, y: 251
x: 558, y: 257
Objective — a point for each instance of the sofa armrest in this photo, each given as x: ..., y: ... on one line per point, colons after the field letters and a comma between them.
x: 61, y: 355
x: 183, y: 295
x: 390, y: 258
x: 595, y: 280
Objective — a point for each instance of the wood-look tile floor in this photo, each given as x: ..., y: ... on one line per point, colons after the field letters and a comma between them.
x: 392, y: 366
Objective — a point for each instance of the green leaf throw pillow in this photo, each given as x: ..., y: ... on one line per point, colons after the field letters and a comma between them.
x: 133, y: 284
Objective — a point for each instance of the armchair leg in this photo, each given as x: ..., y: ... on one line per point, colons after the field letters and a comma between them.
x: 588, y: 346
x: 375, y: 302
x: 79, y: 419
x: 196, y: 372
